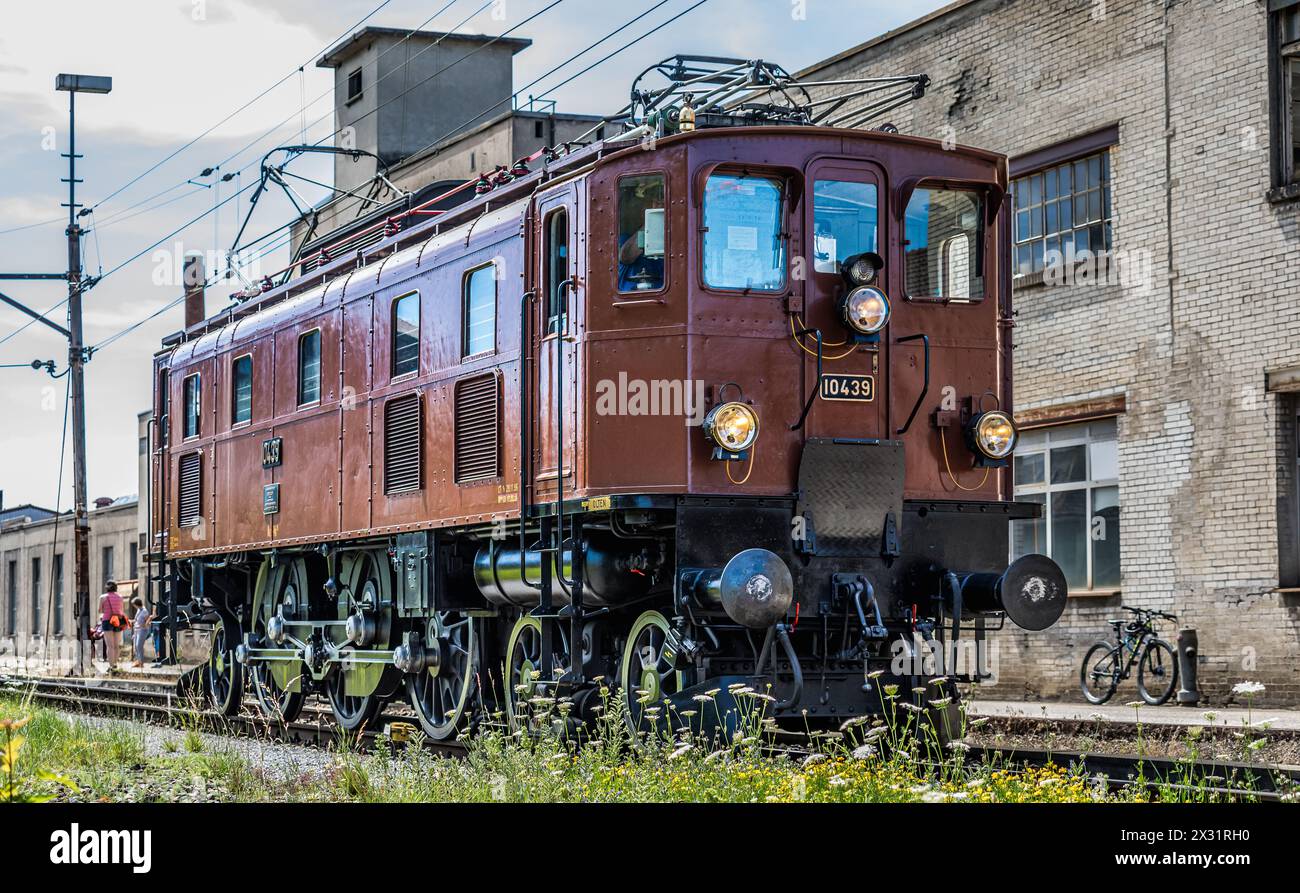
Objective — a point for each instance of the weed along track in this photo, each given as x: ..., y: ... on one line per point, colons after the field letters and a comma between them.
x: 865, y: 760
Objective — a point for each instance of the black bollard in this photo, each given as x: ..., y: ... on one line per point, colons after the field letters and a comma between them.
x: 1188, y: 696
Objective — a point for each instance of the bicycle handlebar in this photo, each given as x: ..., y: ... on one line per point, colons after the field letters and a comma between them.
x: 1151, y: 613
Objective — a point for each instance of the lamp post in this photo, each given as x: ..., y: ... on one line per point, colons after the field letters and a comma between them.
x: 72, y: 84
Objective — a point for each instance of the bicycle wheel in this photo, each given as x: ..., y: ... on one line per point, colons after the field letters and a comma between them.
x: 1157, y: 672
x: 1099, y: 675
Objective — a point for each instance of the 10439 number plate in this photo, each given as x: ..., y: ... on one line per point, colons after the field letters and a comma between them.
x: 853, y: 388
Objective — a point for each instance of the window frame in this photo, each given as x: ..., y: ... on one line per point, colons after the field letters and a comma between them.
x: 554, y: 324
x: 786, y: 195
x: 320, y: 368
x: 982, y: 255
x: 1106, y: 219
x: 465, y: 353
x: 36, y: 612
x: 1056, y: 437
x: 56, y: 603
x: 662, y: 174
x: 197, y: 378
x: 361, y: 85
x: 393, y: 374
x: 1285, y: 174
x: 836, y: 171
x: 235, y: 421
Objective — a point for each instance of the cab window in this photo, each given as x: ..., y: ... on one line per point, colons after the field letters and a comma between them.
x: 845, y: 222
x: 241, y: 390
x: 641, y: 233
x: 309, y: 368
x: 944, y: 233
x: 406, y: 335
x: 557, y: 269
x: 744, y: 242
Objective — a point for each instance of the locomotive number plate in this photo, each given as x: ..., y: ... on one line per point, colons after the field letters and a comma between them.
x: 853, y: 388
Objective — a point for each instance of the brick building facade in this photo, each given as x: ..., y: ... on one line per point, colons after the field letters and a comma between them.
x: 1158, y: 382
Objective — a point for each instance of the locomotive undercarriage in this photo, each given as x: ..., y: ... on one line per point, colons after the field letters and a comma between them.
x: 656, y: 599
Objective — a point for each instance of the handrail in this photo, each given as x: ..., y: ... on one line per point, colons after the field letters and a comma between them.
x: 925, y: 388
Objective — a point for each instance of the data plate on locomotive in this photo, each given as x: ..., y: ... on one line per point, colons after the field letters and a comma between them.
x: 852, y: 388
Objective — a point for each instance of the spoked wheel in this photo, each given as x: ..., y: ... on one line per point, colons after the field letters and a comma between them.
x: 647, y: 677
x: 441, y: 697
x: 280, y: 704
x: 1157, y: 672
x: 524, y: 668
x: 225, y: 674
x: 1099, y: 675
x: 278, y: 686
x: 351, y: 712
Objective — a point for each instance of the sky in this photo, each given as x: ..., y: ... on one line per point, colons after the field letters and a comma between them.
x: 185, y: 69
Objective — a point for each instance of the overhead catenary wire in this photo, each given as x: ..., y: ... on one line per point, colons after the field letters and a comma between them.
x: 237, y: 111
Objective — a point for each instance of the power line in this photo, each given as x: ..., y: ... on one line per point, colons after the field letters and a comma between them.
x: 243, y: 107
x: 543, y: 77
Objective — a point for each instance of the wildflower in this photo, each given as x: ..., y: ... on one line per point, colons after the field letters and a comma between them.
x: 891, y: 691
x: 941, y: 702
x: 851, y: 723
x: 909, y: 706
x: 976, y: 723
x: 919, y: 789
x: 813, y: 759
x: 1136, y: 705
x: 875, y: 674
x: 689, y: 713
x: 1248, y: 688
x: 713, y: 691
x: 703, y: 699
x: 715, y: 756
x: 864, y: 752
x: 919, y: 690
x: 838, y: 781
x: 959, y: 746
x: 13, y: 725
x: 1256, y: 744
x: 682, y: 749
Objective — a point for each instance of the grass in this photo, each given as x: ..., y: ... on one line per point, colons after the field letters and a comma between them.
x: 897, y: 758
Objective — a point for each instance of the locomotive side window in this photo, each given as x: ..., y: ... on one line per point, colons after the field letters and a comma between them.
x: 744, y: 242
x: 642, y: 231
x: 191, y: 397
x: 845, y: 222
x: 309, y: 368
x: 406, y: 335
x: 944, y: 233
x: 241, y: 390
x: 480, y: 311
x: 557, y: 269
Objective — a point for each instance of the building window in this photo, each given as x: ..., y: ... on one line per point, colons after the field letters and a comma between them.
x: 1284, y: 63
x: 108, y: 566
x: 1073, y: 472
x: 1061, y: 212
x: 406, y: 335
x: 58, y: 594
x: 192, y: 405
x: 480, y: 311
x: 36, y: 597
x: 354, y: 85
x: 133, y: 556
x: 11, y: 598
x: 642, y: 230
x: 539, y: 130
x: 309, y: 368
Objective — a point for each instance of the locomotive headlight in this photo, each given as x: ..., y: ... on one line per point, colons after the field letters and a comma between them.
x: 731, y: 426
x: 865, y: 310
x: 861, y: 269
x: 994, y: 434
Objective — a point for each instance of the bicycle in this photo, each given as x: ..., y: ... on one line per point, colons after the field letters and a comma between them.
x: 1106, y: 665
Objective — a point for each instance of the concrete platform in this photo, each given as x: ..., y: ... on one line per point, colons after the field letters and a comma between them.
x: 1166, y: 714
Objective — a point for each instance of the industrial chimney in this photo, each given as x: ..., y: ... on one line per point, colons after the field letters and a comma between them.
x: 194, y: 277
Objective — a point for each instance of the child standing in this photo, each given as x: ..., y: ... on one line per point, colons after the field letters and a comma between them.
x: 139, y: 629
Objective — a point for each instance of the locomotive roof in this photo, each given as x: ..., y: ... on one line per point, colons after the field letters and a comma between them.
x: 407, y: 246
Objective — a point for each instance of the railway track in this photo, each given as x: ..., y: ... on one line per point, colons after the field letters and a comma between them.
x: 160, y: 703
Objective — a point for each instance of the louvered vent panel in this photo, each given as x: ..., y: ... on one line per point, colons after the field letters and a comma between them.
x: 478, y: 423
x: 403, y: 432
x: 189, y: 501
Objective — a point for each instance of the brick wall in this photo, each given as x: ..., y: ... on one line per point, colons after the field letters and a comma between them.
x: 1205, y: 450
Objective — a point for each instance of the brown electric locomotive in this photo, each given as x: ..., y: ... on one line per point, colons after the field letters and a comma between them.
x: 724, y: 399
